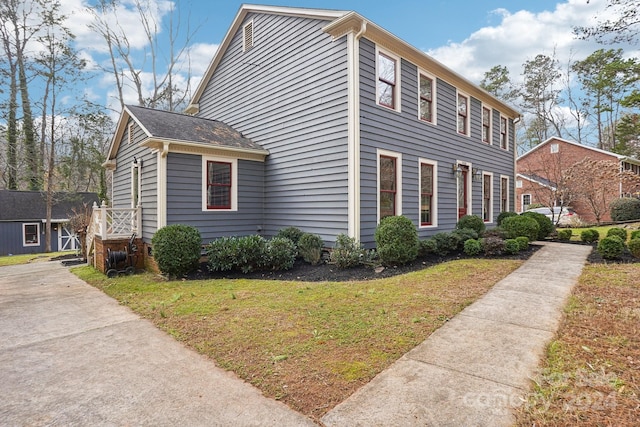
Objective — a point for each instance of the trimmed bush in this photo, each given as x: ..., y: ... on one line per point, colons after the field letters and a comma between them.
x: 634, y: 247
x: 247, y: 253
x: 611, y: 247
x: 427, y: 246
x: 625, y: 209
x: 292, y: 233
x: 545, y: 224
x: 472, y: 247
x: 620, y: 232
x: 176, y: 249
x: 348, y: 252
x: 565, y: 234
x: 310, y: 248
x: 445, y: 243
x: 473, y: 222
x: 635, y: 234
x: 397, y: 240
x: 504, y: 215
x: 492, y: 245
x: 511, y: 246
x: 281, y: 253
x: 465, y: 234
x: 516, y: 226
x: 590, y: 235
x: 523, y: 242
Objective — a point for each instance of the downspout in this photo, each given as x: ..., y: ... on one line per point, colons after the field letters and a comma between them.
x: 353, y: 128
x: 162, y: 186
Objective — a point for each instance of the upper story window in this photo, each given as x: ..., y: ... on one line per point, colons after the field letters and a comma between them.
x: 486, y: 125
x: 504, y: 133
x: 220, y: 188
x: 555, y: 148
x: 387, y: 87
x: 426, y: 98
x: 463, y: 114
x: 247, y: 36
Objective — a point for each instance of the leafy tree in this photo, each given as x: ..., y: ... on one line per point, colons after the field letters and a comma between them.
x: 628, y: 136
x: 498, y: 83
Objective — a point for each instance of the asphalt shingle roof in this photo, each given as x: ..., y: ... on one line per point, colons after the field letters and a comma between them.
x: 31, y: 205
x: 183, y: 127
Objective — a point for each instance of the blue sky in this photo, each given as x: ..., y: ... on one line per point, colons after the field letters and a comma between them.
x: 468, y: 36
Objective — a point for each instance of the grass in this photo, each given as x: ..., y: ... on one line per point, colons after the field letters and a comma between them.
x: 27, y: 258
x: 590, y: 375
x: 602, y: 230
x: 308, y: 344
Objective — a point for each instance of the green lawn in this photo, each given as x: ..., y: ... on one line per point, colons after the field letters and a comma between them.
x: 602, y: 230
x: 25, y: 259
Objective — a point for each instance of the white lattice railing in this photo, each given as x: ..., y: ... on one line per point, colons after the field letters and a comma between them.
x: 112, y: 223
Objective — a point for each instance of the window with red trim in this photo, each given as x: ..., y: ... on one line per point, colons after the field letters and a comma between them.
x: 386, y: 80
x: 463, y: 111
x: 486, y: 125
x: 388, y: 186
x: 503, y: 133
x: 504, y: 194
x: 426, y: 194
x: 426, y: 98
x: 218, y: 185
x: 486, y: 196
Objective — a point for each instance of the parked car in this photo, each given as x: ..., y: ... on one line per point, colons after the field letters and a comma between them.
x: 561, y: 216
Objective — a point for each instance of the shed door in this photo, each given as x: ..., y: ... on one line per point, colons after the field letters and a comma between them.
x: 67, y: 239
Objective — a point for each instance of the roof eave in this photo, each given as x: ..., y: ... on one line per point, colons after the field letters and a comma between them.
x: 191, y: 147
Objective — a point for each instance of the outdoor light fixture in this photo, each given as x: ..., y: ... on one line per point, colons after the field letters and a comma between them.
x: 477, y: 175
x: 457, y: 170
x: 137, y: 162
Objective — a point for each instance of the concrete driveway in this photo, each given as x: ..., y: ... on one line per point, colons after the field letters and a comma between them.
x: 70, y: 355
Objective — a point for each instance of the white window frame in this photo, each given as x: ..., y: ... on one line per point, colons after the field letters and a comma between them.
x: 234, y: 182
x: 518, y: 183
x: 554, y: 148
x: 506, y: 132
x: 434, y: 198
x: 508, y: 191
x: 246, y: 47
x: 434, y: 98
x: 24, y: 234
x: 468, y: 117
x: 130, y: 133
x: 522, y: 208
x: 396, y: 89
x: 398, y: 157
x: 488, y: 107
x: 491, y: 196
x: 136, y: 172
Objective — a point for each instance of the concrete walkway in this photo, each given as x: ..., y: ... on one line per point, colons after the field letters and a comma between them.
x: 70, y: 355
x: 477, y: 367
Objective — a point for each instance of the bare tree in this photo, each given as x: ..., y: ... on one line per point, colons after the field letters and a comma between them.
x: 625, y: 27
x: 127, y: 68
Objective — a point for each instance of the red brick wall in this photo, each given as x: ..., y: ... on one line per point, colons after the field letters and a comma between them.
x: 101, y: 250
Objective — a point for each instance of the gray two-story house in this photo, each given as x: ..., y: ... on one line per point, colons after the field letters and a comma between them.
x: 322, y: 120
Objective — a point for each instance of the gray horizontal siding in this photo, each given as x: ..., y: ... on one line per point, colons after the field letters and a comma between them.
x: 403, y: 133
x: 289, y: 94
x: 184, y: 198
x: 11, y: 239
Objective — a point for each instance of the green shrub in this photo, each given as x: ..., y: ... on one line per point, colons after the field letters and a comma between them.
x: 465, y: 234
x: 492, y: 245
x: 565, y: 234
x: 176, y: 249
x: 504, y: 215
x: 511, y: 246
x: 611, y: 247
x: 445, y: 243
x: 222, y: 253
x: 472, y: 247
x: 495, y: 232
x: 625, y: 209
x: 292, y: 233
x: 281, y: 253
x: 634, y: 247
x: 516, y: 226
x: 523, y: 242
x: 397, y: 240
x: 247, y: 253
x: 427, y: 246
x: 545, y: 224
x: 310, y: 248
x: 620, y: 232
x: 348, y: 252
x: 473, y: 222
x: 635, y: 234
x: 590, y: 235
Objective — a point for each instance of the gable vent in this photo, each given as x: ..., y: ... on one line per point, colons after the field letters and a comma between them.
x: 247, y: 41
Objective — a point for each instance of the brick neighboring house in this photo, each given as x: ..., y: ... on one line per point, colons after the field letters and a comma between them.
x: 539, y: 169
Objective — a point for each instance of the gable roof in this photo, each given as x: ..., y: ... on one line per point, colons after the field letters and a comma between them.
x: 339, y: 24
x: 586, y: 147
x: 31, y: 205
x: 175, y: 130
x: 538, y: 180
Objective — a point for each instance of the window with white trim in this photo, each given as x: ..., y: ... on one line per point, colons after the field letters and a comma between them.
x: 486, y: 125
x: 219, y: 184
x: 426, y: 91
x: 526, y: 201
x: 463, y: 114
x: 487, y: 197
x: 247, y: 36
x: 504, y: 133
x: 504, y: 194
x: 519, y: 183
x: 389, y: 184
x: 428, y: 193
x: 388, y: 83
x: 555, y: 148
x: 31, y: 234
